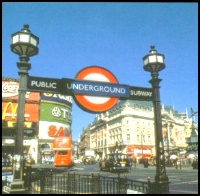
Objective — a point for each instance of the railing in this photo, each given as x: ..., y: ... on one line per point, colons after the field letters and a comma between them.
x: 74, y: 183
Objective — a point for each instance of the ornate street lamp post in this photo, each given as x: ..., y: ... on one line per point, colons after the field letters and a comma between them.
x: 24, y: 44
x: 153, y: 63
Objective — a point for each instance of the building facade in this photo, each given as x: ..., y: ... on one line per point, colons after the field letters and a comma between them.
x: 46, y: 115
x: 129, y: 127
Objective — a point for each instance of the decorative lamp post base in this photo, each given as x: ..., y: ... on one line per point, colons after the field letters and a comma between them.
x: 15, y: 187
x: 160, y: 187
x: 161, y: 184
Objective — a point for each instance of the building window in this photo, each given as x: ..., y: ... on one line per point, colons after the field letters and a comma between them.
x: 128, y: 137
x: 149, y: 138
x: 144, y: 139
x: 138, y: 138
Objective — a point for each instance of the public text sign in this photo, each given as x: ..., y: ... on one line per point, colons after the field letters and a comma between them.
x: 44, y: 84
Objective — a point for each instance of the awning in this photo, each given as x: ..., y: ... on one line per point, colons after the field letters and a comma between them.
x: 139, y: 149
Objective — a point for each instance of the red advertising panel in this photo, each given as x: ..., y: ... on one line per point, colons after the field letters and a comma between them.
x: 9, y: 111
x: 10, y: 88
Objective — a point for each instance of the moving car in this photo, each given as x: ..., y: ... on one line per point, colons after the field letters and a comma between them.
x: 89, y: 160
x: 77, y: 160
x: 115, y: 162
x: 49, y: 160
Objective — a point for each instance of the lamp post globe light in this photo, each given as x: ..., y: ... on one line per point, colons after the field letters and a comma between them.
x: 153, y: 63
x: 24, y: 44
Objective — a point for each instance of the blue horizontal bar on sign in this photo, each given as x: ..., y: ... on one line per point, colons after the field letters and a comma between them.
x: 97, y: 88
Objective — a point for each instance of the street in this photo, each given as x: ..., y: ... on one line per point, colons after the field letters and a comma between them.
x: 182, y: 181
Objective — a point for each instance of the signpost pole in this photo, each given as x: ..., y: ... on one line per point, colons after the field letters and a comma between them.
x: 154, y: 62
x: 24, y: 44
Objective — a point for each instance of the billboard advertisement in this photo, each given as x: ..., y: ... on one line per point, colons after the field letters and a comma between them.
x: 56, y: 98
x: 53, y: 129
x: 55, y: 115
x: 10, y: 90
x: 9, y: 111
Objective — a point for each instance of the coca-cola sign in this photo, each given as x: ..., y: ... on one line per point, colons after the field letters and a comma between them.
x: 9, y: 88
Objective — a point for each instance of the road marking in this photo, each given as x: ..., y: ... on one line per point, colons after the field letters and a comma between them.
x: 179, y: 191
x: 186, y: 182
x: 78, y: 168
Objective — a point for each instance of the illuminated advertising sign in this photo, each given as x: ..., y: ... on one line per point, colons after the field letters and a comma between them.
x: 10, y: 90
x: 52, y: 129
x: 9, y: 111
x: 55, y: 113
x: 57, y: 98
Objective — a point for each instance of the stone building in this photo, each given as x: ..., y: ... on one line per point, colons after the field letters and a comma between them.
x: 129, y: 127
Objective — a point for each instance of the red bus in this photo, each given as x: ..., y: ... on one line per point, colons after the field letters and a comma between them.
x: 62, y: 147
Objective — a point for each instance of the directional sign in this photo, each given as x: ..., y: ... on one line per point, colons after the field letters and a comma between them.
x: 95, y: 89
x: 44, y: 84
x: 96, y: 104
x: 139, y: 93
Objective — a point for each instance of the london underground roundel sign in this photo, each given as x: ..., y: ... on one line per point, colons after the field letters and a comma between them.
x: 95, y: 104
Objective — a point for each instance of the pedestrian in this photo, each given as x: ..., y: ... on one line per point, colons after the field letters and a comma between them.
x: 176, y: 163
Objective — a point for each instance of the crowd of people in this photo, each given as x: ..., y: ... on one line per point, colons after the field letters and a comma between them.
x: 7, y: 159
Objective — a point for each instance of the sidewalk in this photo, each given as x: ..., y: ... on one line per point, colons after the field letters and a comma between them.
x: 49, y: 167
x: 179, y: 167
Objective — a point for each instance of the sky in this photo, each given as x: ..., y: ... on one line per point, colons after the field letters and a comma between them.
x: 116, y: 36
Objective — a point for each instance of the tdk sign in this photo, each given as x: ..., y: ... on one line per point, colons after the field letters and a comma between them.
x: 87, y: 87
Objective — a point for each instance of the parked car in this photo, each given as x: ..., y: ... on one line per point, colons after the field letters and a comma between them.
x: 115, y: 162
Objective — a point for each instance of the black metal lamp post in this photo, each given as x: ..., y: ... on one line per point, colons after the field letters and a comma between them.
x: 154, y: 62
x: 24, y: 44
